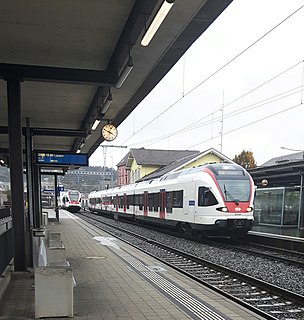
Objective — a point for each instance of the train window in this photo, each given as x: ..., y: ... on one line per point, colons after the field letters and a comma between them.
x: 151, y: 201
x: 177, y: 199
x: 206, y: 197
x: 130, y: 201
x: 120, y: 201
x: 235, y: 190
x: 138, y: 201
x: 169, y: 201
x: 156, y: 202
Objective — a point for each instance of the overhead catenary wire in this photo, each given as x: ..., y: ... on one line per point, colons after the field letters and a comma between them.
x: 213, y: 120
x: 196, y: 124
x: 302, y: 82
x: 246, y: 125
x: 216, y: 72
x: 250, y: 123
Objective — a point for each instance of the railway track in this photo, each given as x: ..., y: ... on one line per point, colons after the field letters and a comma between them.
x: 265, y: 299
x: 277, y: 254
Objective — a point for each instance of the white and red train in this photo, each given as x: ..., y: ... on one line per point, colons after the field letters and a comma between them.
x: 213, y: 200
x: 70, y: 200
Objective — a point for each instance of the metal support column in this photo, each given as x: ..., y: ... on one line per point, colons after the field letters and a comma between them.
x: 301, y: 209
x: 56, y: 197
x: 16, y: 171
x: 29, y: 176
x: 36, y: 196
x: 29, y: 185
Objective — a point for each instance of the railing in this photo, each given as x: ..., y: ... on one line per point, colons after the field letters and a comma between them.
x: 6, y: 240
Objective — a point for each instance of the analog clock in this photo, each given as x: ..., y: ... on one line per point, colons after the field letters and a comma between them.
x: 109, y: 132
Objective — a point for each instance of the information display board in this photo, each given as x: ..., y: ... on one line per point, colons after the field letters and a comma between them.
x: 54, y: 158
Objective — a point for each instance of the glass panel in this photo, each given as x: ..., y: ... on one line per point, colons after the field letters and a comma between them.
x: 268, y: 206
x: 169, y: 202
x: 74, y: 196
x: 178, y: 199
x: 291, y: 207
x: 233, y: 190
x: 206, y: 197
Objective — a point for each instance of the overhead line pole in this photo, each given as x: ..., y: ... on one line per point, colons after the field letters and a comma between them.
x: 105, y: 152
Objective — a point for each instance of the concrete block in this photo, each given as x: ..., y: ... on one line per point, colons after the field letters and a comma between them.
x: 55, y: 254
x: 55, y: 243
x: 55, y: 236
x: 53, y: 292
x: 55, y: 239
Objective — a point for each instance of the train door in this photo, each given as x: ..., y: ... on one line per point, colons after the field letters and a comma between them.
x: 125, y: 203
x: 205, y: 202
x: 116, y: 202
x: 190, y: 201
x: 145, y: 203
x: 162, y: 203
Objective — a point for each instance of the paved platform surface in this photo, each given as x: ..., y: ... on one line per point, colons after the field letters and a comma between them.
x: 116, y: 281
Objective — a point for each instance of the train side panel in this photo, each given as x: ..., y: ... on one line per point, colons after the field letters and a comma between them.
x: 212, y: 200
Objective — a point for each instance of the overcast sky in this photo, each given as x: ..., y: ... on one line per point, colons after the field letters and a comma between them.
x: 260, y: 89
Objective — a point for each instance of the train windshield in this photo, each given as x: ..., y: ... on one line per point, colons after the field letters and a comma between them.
x: 74, y: 196
x: 235, y: 190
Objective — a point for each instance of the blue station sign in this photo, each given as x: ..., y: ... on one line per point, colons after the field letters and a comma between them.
x: 47, y: 158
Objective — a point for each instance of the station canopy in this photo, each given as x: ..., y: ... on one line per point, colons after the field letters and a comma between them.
x: 70, y: 57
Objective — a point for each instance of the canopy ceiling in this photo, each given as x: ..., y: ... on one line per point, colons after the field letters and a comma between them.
x: 69, y: 54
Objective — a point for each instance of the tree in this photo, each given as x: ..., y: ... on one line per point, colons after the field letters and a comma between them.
x: 245, y: 159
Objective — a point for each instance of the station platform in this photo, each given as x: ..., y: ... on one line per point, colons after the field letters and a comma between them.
x: 286, y: 238
x: 279, y: 231
x: 116, y: 281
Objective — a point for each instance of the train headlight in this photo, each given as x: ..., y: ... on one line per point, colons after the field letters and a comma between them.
x: 222, y: 209
x: 249, y: 209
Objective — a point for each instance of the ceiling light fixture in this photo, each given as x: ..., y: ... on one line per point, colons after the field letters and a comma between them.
x: 78, y: 151
x: 125, y: 73
x: 106, y: 104
x: 89, y: 135
x: 157, y: 21
x: 96, y: 123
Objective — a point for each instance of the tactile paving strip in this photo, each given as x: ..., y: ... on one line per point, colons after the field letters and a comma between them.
x: 190, y: 304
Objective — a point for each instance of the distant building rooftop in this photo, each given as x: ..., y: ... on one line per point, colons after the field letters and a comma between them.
x: 179, y: 163
x: 154, y: 157
x: 294, y: 157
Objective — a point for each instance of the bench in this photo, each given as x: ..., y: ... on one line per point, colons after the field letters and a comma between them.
x: 54, y: 280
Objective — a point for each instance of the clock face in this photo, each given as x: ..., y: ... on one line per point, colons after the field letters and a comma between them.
x: 109, y: 132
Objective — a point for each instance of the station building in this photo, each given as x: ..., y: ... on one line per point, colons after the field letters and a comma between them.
x: 145, y: 164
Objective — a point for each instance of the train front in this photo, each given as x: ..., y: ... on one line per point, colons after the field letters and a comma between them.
x: 74, y: 201
x: 234, y: 190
